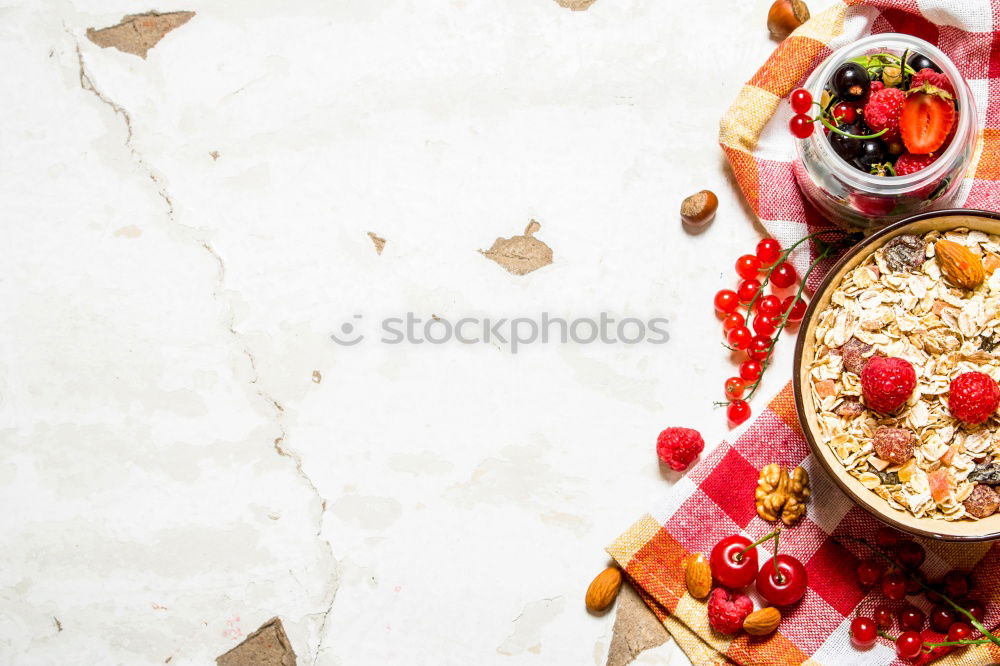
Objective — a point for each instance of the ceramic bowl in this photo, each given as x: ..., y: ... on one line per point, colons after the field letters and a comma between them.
x: 933, y: 528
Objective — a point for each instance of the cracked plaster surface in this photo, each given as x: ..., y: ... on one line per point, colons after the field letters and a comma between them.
x: 185, y: 454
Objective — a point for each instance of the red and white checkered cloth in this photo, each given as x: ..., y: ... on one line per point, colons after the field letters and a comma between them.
x: 716, y: 498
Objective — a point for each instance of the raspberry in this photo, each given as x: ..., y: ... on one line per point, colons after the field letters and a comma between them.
x: 974, y: 397
x: 908, y: 163
x: 883, y: 110
x: 936, y: 79
x: 677, y: 447
x: 727, y: 610
x: 893, y: 444
x: 887, y: 383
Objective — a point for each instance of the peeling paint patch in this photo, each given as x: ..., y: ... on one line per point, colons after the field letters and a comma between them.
x: 379, y: 242
x: 636, y: 629
x: 576, y: 5
x: 521, y: 254
x: 214, y: 155
x: 138, y: 33
x: 527, y: 635
x: 317, y: 377
x: 268, y: 646
x: 129, y: 231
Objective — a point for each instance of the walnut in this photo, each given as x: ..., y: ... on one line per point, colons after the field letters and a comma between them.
x: 782, y: 495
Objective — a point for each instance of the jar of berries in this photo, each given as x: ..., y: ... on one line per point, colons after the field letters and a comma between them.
x: 885, y: 128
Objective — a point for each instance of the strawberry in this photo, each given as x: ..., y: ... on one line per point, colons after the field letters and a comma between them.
x: 927, y: 119
x: 883, y: 110
x: 909, y: 163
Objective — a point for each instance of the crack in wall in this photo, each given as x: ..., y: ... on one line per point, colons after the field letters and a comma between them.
x: 87, y: 84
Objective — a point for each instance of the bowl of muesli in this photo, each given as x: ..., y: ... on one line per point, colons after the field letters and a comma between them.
x: 897, y: 369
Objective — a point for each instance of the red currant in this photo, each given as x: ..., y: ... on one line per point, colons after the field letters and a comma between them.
x: 769, y: 305
x: 726, y: 301
x: 845, y: 113
x: 800, y: 100
x: 910, y: 553
x: 908, y: 645
x: 747, y: 266
x: 796, y: 309
x: 883, y: 617
x: 869, y: 572
x: 764, y: 325
x: 894, y: 585
x: 863, y: 632
x: 759, y: 347
x: 887, y: 538
x: 768, y: 251
x: 957, y: 584
x: 751, y: 370
x: 747, y: 289
x: 911, y: 617
x: 959, y: 631
x: 729, y: 567
x: 801, y: 126
x: 942, y: 618
x: 977, y: 609
x: 784, y: 586
x: 913, y: 582
x: 783, y: 275
x: 739, y: 338
x: 735, y: 387
x: 734, y: 320
x: 737, y: 412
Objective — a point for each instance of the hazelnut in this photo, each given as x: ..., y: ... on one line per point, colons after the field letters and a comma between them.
x: 699, y: 208
x: 785, y: 16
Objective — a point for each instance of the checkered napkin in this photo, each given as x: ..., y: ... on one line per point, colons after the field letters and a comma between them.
x: 754, y: 131
x: 716, y: 499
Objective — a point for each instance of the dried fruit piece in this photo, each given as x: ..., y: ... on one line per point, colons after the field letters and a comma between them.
x: 727, y: 610
x: 762, y: 622
x: 785, y: 16
x: 959, y: 264
x: 893, y: 444
x: 905, y: 472
x: 850, y: 408
x: 982, y: 502
x: 940, y: 484
x: 854, y: 354
x: 826, y: 388
x: 991, y: 262
x: 603, y: 590
x: 782, y: 495
x: 698, y: 576
x: 904, y: 253
x: 699, y: 208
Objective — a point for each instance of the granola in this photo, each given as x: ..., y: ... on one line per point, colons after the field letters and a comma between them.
x: 894, y: 305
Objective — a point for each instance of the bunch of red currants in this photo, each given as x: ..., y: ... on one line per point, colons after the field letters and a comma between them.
x: 752, y: 321
x: 907, y: 580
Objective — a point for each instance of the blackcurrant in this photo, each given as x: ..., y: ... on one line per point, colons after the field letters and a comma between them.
x: 872, y: 151
x: 845, y: 146
x: 918, y: 61
x: 851, y: 82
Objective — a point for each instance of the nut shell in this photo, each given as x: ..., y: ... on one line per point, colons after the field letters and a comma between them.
x: 762, y: 622
x: 959, y: 265
x: 698, y: 576
x: 699, y: 208
x: 785, y: 16
x: 603, y: 590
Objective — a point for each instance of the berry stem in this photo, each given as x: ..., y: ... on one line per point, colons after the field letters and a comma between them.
x: 778, y: 576
x: 772, y: 535
x: 971, y: 618
x: 830, y: 126
x: 964, y: 641
x: 885, y: 634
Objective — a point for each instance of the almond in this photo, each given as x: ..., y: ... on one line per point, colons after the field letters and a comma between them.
x: 603, y: 590
x: 698, y: 576
x: 762, y: 622
x: 959, y: 264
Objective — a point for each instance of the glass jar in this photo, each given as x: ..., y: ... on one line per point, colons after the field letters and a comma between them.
x: 861, y: 201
